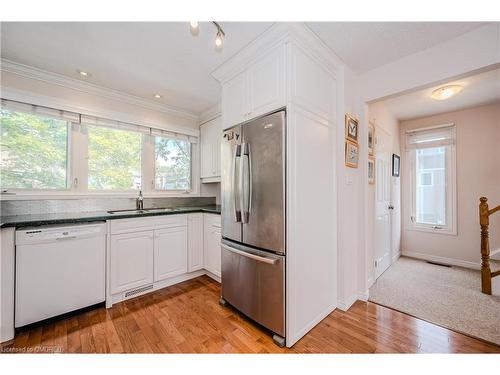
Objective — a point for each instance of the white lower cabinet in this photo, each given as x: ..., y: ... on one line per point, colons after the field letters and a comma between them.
x: 131, y: 260
x: 195, y: 242
x: 149, y: 253
x: 170, y: 252
x: 211, y: 242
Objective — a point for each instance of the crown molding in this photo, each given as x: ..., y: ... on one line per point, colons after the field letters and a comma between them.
x: 92, y: 89
x: 210, y: 113
x: 296, y: 32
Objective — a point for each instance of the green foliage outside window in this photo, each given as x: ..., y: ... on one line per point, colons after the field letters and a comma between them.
x: 33, y: 151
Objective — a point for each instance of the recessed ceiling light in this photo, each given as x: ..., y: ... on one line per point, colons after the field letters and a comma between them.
x: 83, y: 73
x: 157, y: 96
x: 446, y: 92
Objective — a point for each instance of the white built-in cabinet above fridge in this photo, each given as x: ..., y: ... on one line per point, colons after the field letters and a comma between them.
x: 210, y: 135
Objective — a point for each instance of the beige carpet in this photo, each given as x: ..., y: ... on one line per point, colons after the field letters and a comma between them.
x: 450, y: 297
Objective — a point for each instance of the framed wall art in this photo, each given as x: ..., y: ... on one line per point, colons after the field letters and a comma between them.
x: 396, y: 165
x: 351, y: 128
x: 371, y: 139
x: 371, y: 170
x: 351, y: 154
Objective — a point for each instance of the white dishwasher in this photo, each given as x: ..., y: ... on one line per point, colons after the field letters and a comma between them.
x: 58, y: 270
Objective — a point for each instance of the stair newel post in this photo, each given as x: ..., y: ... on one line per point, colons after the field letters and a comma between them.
x: 484, y: 221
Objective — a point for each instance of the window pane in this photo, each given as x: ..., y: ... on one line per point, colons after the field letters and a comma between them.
x: 431, y: 186
x: 34, y: 151
x: 172, y: 164
x: 114, y: 159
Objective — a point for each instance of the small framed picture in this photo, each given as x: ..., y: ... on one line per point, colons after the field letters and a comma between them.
x: 371, y: 139
x: 351, y: 154
x: 351, y: 128
x: 371, y: 170
x: 395, y: 165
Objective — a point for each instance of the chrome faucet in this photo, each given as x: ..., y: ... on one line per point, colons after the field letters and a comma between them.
x: 139, y: 201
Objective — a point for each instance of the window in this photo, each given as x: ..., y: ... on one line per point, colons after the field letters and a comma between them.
x: 114, y: 159
x: 172, y: 164
x: 431, y: 165
x: 34, y: 151
x: 49, y: 152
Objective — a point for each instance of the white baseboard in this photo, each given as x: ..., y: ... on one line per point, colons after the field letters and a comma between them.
x: 443, y: 260
x: 292, y: 339
x: 363, y: 296
x: 396, y: 256
x: 213, y: 276
x: 347, y: 303
x: 495, y: 254
x: 119, y: 297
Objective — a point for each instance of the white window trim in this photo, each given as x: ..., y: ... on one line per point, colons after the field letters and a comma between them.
x: 78, y: 165
x: 409, y: 184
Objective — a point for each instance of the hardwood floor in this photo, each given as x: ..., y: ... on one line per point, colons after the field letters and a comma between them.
x: 186, y: 318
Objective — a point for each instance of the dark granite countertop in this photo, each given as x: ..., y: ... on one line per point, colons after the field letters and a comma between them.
x: 19, y: 221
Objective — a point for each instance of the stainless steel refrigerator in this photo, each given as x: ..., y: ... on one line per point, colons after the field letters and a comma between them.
x: 253, y: 220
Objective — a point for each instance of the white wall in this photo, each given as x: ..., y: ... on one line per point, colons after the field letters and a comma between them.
x: 478, y: 174
x: 17, y: 87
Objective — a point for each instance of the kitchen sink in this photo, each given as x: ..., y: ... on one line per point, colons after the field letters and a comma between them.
x: 144, y: 210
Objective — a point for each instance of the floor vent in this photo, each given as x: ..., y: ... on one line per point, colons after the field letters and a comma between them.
x: 137, y: 291
x: 439, y: 264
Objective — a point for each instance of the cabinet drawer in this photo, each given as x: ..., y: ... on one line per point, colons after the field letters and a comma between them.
x: 147, y: 223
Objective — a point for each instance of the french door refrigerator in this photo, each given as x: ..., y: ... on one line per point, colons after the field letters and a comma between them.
x: 253, y: 220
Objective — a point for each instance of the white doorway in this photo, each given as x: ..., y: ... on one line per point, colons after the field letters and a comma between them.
x: 383, y: 206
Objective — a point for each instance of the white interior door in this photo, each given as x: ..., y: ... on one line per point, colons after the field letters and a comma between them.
x: 382, y: 250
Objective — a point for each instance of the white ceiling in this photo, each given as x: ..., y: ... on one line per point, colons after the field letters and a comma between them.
x: 145, y: 58
x: 366, y: 45
x: 138, y: 58
x: 478, y: 89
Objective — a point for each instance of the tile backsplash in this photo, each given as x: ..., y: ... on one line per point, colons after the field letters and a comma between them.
x: 30, y: 207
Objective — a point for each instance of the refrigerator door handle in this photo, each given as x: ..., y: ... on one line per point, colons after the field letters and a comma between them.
x: 237, y: 183
x: 250, y: 255
x: 246, y: 183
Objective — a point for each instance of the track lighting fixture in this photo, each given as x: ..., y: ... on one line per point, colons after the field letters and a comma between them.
x: 219, y: 36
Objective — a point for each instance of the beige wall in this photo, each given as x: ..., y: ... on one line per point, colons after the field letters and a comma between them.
x: 386, y: 122
x: 478, y: 174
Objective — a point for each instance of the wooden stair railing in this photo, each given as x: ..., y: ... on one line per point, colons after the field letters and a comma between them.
x: 484, y: 221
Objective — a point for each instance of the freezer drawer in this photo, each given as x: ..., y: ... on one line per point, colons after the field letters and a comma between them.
x: 253, y: 281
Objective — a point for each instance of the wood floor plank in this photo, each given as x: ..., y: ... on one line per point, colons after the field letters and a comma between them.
x: 187, y: 318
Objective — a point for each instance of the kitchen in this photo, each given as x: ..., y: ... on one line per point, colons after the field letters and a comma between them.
x: 170, y: 232
x: 190, y: 199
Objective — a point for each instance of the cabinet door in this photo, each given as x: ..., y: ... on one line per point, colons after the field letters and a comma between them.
x: 235, y: 108
x: 216, y: 145
x: 170, y: 252
x: 195, y: 242
x: 206, y: 153
x: 267, y: 84
x: 211, y: 249
x: 131, y: 261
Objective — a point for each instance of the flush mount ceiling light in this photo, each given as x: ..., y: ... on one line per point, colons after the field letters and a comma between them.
x: 83, y: 73
x: 219, y: 35
x: 446, y: 92
x: 157, y: 96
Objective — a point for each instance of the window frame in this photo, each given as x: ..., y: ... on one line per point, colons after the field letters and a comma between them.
x: 77, y: 158
x: 451, y: 187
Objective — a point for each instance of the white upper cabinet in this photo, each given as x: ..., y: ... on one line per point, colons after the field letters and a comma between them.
x: 235, y: 100
x: 170, y: 252
x: 210, y: 135
x: 258, y: 89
